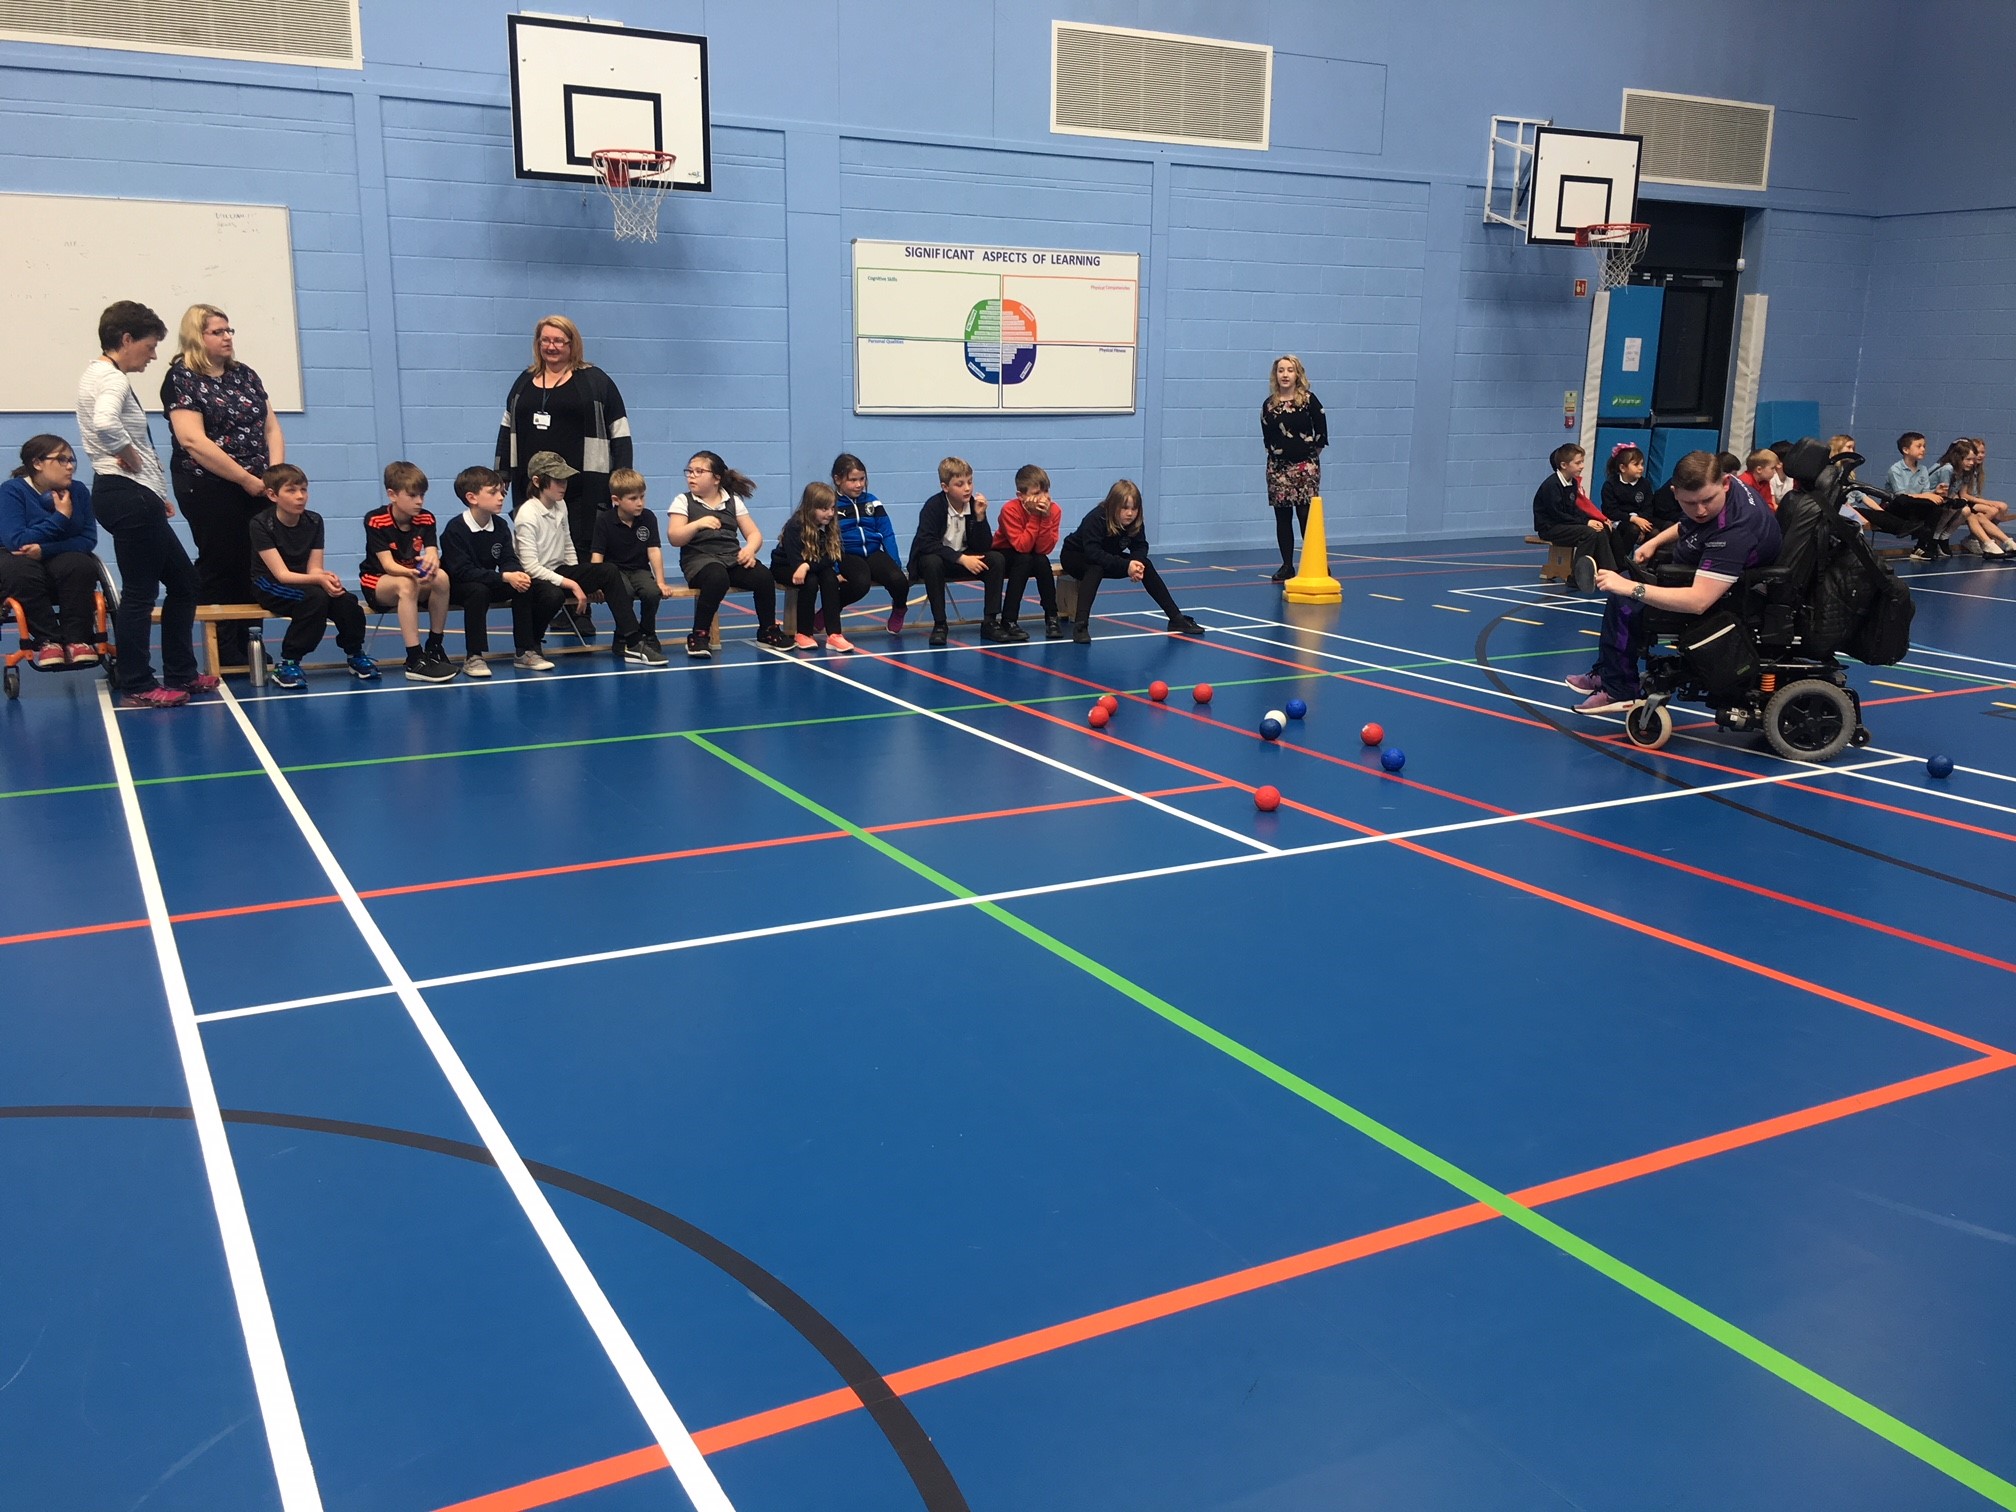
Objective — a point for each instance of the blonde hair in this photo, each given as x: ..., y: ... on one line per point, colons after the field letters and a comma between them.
x: 1838, y: 444
x: 820, y: 543
x: 953, y: 467
x: 626, y: 484
x: 1762, y: 454
x: 1299, y: 394
x: 578, y: 356
x: 194, y: 357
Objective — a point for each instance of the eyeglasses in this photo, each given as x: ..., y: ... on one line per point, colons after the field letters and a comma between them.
x: 64, y: 459
x: 223, y: 331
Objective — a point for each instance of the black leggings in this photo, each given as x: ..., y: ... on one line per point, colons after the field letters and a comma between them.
x: 1022, y: 566
x: 220, y: 515
x: 309, y: 615
x: 712, y: 580
x: 1284, y: 530
x: 151, y: 560
x: 1089, y: 576
x: 57, y: 594
x: 880, y: 567
x: 824, y: 587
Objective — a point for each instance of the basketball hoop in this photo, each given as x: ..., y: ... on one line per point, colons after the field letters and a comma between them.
x: 1622, y: 243
x: 635, y: 179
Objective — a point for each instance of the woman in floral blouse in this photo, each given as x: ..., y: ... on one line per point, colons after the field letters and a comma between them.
x: 1294, y: 431
x: 226, y: 436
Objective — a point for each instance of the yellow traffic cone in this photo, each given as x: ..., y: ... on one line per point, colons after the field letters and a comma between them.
x: 1312, y: 583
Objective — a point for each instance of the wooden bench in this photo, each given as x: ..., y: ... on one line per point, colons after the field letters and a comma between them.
x: 1560, y: 564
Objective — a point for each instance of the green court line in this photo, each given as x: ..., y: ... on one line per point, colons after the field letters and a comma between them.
x: 1857, y: 1409
x: 778, y: 724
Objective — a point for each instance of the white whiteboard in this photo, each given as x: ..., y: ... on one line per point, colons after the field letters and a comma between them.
x: 65, y: 258
x: 945, y: 328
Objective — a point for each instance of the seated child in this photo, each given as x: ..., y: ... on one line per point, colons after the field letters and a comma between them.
x: 482, y: 566
x: 718, y: 541
x: 289, y: 580
x: 953, y: 543
x: 808, y: 558
x: 1563, y: 515
x: 867, y: 539
x: 1626, y: 499
x: 626, y: 541
x: 1961, y: 466
x: 545, y: 542
x: 1025, y: 537
x: 1762, y: 471
x: 402, y: 568
x: 1918, y: 494
x: 47, y: 536
x: 1110, y: 542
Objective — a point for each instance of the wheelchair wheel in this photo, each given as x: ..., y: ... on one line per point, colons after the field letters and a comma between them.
x: 12, y: 677
x: 1648, y: 726
x: 1810, y: 720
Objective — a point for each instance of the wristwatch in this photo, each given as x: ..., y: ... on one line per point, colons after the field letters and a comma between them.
x: 1638, y: 594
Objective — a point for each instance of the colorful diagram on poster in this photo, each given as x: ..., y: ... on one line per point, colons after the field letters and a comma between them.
x: 945, y: 328
x: 1000, y: 341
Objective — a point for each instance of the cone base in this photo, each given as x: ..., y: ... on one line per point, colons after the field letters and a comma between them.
x: 1313, y: 590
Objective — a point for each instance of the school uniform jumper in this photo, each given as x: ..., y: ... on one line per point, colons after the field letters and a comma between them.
x: 945, y: 534
x: 1091, y: 556
x: 1025, y: 540
x: 476, y: 552
x: 822, y: 584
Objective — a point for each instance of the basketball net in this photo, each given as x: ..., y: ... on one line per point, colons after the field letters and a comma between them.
x: 635, y: 181
x: 1621, y: 244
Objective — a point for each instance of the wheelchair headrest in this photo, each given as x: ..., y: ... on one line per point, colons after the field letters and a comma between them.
x: 1804, y: 460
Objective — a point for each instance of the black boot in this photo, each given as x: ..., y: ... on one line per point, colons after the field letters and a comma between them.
x: 1051, y: 629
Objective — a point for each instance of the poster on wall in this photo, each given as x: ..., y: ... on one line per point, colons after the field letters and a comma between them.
x: 944, y: 328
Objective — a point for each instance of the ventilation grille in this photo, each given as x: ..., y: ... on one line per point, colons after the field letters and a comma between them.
x: 1714, y: 144
x: 320, y: 32
x: 1151, y: 87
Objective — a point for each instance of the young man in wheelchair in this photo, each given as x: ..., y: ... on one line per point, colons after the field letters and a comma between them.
x: 1725, y: 528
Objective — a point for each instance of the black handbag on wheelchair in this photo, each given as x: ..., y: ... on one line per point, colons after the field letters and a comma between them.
x: 1719, y: 652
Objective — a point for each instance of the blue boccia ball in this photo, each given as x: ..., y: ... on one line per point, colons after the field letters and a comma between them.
x: 1940, y: 766
x: 1392, y: 758
x: 1297, y: 708
x: 1270, y: 729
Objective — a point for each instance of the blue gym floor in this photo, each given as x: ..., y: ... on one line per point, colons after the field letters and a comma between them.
x: 865, y: 1071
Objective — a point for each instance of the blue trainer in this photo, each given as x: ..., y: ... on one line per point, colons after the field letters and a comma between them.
x: 362, y: 667
x: 287, y: 674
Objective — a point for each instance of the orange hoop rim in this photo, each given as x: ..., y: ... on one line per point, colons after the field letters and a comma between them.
x: 632, y: 158
x: 1609, y: 233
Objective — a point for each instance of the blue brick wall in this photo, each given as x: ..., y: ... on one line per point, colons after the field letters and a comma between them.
x: 1261, y: 264
x: 1816, y: 269
x: 1939, y: 353
x: 1522, y: 339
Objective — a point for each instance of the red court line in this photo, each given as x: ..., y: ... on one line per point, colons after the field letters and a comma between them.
x: 746, y: 1430
x: 1531, y: 889
x: 575, y: 867
x: 1871, y: 703
x: 1755, y: 889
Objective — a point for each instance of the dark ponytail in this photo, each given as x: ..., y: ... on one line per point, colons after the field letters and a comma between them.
x: 740, y: 485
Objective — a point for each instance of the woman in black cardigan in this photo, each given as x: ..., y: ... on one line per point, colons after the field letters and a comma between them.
x: 563, y: 404
x: 1295, y: 433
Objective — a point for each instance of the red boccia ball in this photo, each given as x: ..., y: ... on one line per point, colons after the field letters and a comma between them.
x: 1267, y: 799
x: 1158, y: 690
x: 1202, y: 692
x: 1097, y: 716
x: 1372, y: 734
x: 1110, y: 704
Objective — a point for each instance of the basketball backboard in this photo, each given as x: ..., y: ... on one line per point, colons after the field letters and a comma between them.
x: 579, y: 86
x: 1580, y: 178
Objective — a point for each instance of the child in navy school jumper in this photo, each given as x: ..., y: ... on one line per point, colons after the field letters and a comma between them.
x: 867, y: 540
x: 808, y: 558
x: 1563, y: 516
x: 47, y: 536
x: 955, y: 543
x: 402, y: 570
x: 1626, y: 498
x: 290, y: 581
x: 483, y: 569
x: 626, y: 539
x: 1111, y: 543
x: 1025, y: 537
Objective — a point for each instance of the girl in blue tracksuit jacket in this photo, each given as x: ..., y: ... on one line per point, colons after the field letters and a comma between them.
x: 867, y: 541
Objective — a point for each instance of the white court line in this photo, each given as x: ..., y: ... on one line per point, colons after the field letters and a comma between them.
x: 629, y: 669
x: 1917, y: 650
x: 1993, y: 598
x: 1049, y: 761
x: 1040, y: 890
x: 1553, y: 605
x: 684, y: 1456
x: 280, y: 1413
x: 1940, y: 793
x: 1970, y: 771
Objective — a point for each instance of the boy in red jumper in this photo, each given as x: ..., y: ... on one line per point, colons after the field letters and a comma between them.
x: 1025, y: 537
